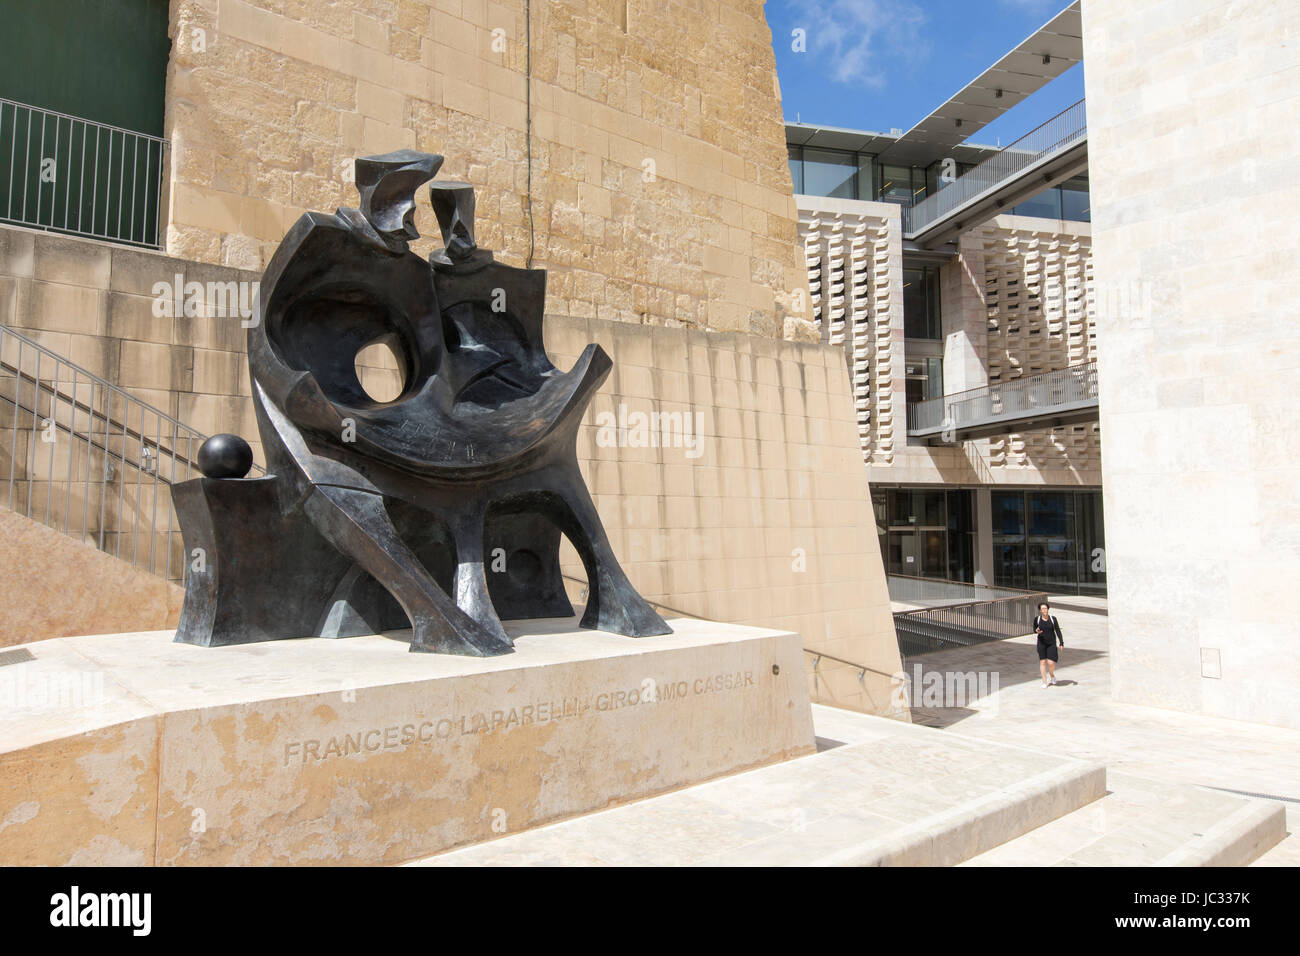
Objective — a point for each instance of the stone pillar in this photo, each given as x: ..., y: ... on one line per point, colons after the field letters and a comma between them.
x: 1198, y: 348
x: 964, y: 319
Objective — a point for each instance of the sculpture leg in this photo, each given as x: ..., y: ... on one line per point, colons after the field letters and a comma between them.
x: 358, y: 525
x: 471, y: 580
x: 613, y: 604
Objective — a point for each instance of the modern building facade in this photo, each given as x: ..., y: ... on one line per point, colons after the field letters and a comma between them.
x: 983, y: 302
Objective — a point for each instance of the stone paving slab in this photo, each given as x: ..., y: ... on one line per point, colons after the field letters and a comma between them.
x: 1142, y: 822
x: 879, y: 792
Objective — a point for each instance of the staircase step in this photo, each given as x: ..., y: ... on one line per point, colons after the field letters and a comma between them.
x: 1286, y: 852
x: 885, y: 793
x: 1141, y: 822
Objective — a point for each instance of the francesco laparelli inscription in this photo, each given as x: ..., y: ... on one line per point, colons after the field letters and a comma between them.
x: 432, y: 731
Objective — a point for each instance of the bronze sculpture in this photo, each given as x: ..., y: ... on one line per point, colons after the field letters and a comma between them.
x: 378, y: 514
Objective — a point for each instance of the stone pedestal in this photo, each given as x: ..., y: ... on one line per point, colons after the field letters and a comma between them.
x: 131, y: 749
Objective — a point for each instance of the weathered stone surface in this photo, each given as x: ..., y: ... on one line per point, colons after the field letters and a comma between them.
x: 284, y: 753
x: 647, y: 129
x: 47, y: 591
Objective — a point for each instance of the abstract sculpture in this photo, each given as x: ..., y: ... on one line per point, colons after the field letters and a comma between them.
x: 442, y: 508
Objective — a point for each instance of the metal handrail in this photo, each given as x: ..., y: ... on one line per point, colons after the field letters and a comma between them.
x: 79, y: 485
x: 839, y: 660
x: 92, y: 415
x: 1064, y: 129
x: 81, y: 152
x: 1030, y: 394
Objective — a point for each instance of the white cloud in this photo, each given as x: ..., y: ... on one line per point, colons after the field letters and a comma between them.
x: 857, y: 40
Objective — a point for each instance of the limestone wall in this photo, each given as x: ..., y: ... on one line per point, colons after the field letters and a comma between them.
x: 659, y: 182
x: 1040, y: 318
x: 1193, y: 144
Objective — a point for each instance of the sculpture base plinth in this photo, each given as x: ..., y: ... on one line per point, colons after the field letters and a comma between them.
x: 132, y: 749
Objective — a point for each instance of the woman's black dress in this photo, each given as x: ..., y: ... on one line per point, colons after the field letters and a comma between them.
x: 1048, y: 639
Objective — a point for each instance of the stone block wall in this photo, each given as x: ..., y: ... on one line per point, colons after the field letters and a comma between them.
x: 660, y: 191
x: 1199, y: 348
x: 1041, y: 318
x: 854, y: 255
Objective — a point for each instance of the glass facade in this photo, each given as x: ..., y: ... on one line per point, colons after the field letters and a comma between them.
x: 830, y: 173
x: 1049, y: 540
x: 848, y: 175
x: 921, y: 307
x: 924, y: 378
x: 1068, y: 201
x: 926, y: 532
x: 905, y: 185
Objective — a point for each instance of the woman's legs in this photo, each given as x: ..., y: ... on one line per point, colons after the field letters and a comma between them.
x: 1042, y: 668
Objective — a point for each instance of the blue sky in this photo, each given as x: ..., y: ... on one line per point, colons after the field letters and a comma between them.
x: 881, y: 64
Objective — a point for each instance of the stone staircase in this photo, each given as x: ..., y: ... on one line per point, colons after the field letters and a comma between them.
x: 884, y: 793
x: 1141, y: 822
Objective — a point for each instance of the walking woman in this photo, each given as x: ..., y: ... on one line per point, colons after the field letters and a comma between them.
x: 1049, y: 636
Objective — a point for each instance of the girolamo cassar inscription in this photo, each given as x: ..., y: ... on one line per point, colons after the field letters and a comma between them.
x: 400, y: 736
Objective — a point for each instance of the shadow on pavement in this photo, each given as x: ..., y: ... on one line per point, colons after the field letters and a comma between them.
x: 945, y: 683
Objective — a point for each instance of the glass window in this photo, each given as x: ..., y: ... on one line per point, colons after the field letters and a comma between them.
x: 1050, y: 512
x: 1053, y: 562
x: 1046, y: 205
x: 1049, y: 540
x: 919, y: 185
x: 830, y: 173
x: 1008, y: 512
x: 1008, y: 562
x: 896, y: 184
x: 915, y: 389
x: 866, y: 176
x: 902, y: 553
x: 961, y: 511
x: 796, y: 169
x: 914, y: 508
x: 1092, y: 543
x: 924, y: 378
x: 934, y: 379
x: 961, y: 536
x: 934, y: 554
x: 921, y: 303
x: 1075, y: 205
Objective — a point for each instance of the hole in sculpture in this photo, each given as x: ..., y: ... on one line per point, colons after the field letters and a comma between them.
x: 380, y: 368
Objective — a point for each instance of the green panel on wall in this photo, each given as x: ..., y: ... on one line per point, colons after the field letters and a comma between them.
x: 102, y: 60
